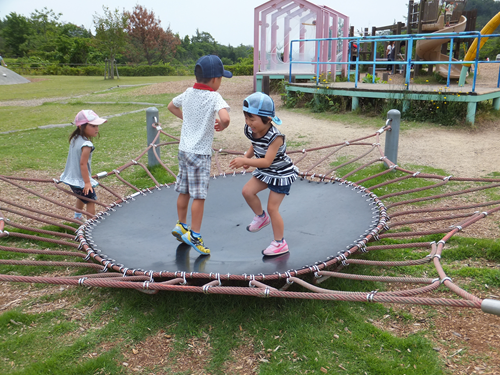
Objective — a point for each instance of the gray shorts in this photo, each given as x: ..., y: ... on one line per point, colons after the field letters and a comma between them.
x: 194, y: 174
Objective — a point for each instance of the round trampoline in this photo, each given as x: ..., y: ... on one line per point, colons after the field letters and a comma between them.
x: 327, y: 220
x: 323, y: 219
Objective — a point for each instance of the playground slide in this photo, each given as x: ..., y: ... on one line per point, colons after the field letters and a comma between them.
x: 489, y: 28
x: 430, y: 50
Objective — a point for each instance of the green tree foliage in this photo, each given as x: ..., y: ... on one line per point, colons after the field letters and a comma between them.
x: 43, y: 36
x: 127, y: 37
x: 111, y: 34
x: 15, y: 32
x: 75, y: 46
x: 147, y: 39
x: 191, y: 49
x: 486, y: 9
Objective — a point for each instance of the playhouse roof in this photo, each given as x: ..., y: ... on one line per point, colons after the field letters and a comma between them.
x: 304, y: 3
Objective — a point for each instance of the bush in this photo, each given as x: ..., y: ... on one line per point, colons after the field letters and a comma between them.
x: 146, y: 70
x: 240, y: 70
x: 92, y: 70
x: 441, y: 111
x: 37, y: 66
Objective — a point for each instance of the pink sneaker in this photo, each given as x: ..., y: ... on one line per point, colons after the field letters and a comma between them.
x: 276, y: 248
x: 259, y: 222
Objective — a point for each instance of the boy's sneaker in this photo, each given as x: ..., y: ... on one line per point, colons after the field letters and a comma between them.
x: 259, y: 222
x: 276, y: 248
x: 195, y: 242
x: 179, y: 231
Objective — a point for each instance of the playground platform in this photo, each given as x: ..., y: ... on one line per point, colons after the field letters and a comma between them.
x: 263, y: 79
x: 402, y: 92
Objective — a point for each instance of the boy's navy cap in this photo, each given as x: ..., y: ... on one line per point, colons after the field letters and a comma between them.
x: 262, y: 105
x: 212, y: 67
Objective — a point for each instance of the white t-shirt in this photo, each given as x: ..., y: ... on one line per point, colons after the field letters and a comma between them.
x: 72, y: 174
x: 199, y: 111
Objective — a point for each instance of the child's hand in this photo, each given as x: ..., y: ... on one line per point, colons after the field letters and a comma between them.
x: 88, y: 188
x: 238, y: 163
x: 218, y: 127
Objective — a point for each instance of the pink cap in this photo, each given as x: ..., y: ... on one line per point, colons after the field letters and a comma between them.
x: 87, y: 116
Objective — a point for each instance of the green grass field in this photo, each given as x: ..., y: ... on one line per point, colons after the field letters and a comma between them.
x: 70, y: 330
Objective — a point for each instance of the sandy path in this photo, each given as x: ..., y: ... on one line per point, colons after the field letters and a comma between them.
x: 465, y: 152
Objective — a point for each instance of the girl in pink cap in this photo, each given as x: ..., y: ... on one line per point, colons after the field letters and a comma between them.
x: 77, y: 173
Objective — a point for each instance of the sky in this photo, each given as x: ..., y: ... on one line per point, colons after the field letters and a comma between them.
x: 228, y: 21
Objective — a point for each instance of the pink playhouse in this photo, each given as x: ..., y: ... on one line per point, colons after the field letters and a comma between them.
x: 278, y: 22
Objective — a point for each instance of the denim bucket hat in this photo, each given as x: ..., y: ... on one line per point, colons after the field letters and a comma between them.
x: 262, y: 105
x: 212, y: 67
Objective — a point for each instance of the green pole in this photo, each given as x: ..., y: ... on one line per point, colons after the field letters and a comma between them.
x: 463, y: 74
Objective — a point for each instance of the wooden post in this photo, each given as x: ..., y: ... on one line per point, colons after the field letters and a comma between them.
x: 409, y: 20
x: 374, y: 53
x: 399, y: 27
x: 419, y: 31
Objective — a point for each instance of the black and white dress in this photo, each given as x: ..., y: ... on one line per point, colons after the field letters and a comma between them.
x: 281, y: 172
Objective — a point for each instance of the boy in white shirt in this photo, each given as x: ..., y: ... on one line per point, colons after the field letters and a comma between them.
x: 200, y: 106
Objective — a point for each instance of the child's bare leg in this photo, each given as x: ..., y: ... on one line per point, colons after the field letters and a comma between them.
x: 90, y: 210
x: 250, y: 191
x: 182, y: 207
x: 273, y: 208
x: 197, y: 209
x: 79, y: 204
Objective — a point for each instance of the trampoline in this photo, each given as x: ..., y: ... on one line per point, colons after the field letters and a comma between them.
x: 332, y: 220
x: 322, y: 220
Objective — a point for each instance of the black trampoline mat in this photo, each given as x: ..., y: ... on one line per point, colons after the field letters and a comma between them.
x: 321, y: 220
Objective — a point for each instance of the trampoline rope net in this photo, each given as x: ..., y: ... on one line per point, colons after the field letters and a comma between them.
x: 38, y: 212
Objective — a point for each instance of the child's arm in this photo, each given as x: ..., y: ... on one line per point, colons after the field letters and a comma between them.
x: 248, y: 155
x: 223, y: 121
x: 175, y: 110
x: 259, y: 163
x: 84, y: 159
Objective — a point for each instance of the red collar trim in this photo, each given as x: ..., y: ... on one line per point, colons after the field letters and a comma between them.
x: 201, y: 86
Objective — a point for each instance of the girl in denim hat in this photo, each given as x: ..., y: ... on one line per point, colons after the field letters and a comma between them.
x: 274, y: 168
x: 77, y: 173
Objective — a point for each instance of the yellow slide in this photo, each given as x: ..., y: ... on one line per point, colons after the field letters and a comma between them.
x: 471, y: 53
x: 488, y: 29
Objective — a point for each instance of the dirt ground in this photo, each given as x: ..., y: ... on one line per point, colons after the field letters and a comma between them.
x: 462, y: 151
x: 467, y: 341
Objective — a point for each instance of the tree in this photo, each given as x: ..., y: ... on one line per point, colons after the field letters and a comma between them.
x: 111, y: 34
x: 15, y: 32
x: 73, y: 44
x: 44, y: 32
x: 485, y: 10
x: 43, y: 21
x: 149, y: 41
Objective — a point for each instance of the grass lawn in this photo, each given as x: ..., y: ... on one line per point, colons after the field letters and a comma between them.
x: 70, y: 330
x: 66, y: 86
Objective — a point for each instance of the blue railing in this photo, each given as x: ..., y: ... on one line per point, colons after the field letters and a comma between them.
x: 409, y: 61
